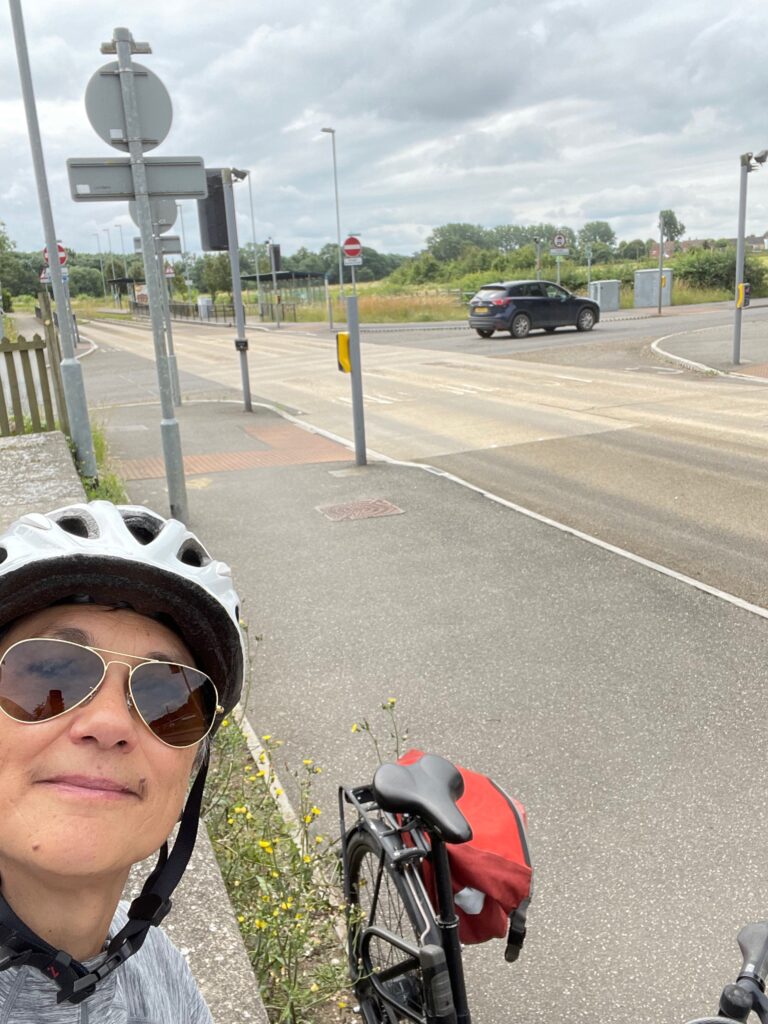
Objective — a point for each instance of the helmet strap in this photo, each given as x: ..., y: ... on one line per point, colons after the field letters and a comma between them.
x: 20, y: 946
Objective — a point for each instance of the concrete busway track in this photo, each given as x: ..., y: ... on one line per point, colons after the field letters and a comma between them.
x: 621, y: 704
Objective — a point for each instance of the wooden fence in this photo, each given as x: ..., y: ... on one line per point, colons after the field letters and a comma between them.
x: 28, y: 387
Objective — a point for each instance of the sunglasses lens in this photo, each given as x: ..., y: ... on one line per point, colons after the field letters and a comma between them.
x: 176, y: 702
x: 40, y: 679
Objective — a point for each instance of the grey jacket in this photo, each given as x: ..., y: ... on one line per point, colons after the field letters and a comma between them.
x: 155, y: 986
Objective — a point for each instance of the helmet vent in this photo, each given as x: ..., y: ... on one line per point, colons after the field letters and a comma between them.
x: 76, y: 525
x: 193, y: 553
x: 143, y: 528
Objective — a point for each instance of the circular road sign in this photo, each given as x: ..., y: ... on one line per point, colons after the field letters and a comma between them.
x: 559, y: 241
x: 61, y: 251
x: 163, y: 211
x: 352, y: 246
x: 104, y: 106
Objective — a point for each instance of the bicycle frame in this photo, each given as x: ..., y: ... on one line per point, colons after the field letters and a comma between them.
x: 405, y: 859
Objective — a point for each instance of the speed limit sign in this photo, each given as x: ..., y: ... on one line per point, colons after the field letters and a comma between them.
x: 559, y: 240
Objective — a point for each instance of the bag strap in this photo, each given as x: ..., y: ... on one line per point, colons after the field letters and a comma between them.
x: 516, y: 935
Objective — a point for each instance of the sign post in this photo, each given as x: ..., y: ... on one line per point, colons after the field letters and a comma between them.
x: 355, y: 370
x: 353, y: 256
x: 558, y: 250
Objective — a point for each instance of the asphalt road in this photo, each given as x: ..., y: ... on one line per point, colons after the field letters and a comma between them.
x: 592, y: 430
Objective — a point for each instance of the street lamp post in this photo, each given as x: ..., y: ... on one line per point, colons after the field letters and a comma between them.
x: 122, y: 250
x: 101, y: 262
x: 332, y: 133
x: 108, y: 233
x: 746, y: 166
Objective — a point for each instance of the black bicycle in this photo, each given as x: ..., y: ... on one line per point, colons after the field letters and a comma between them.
x: 747, y: 994
x: 404, y: 951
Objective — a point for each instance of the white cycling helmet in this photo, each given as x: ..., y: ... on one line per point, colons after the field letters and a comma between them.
x: 126, y: 553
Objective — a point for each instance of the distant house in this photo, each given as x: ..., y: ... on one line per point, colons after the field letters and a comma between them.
x: 669, y: 249
x: 752, y: 243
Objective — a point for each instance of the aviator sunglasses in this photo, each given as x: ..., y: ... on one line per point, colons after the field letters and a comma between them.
x: 41, y: 679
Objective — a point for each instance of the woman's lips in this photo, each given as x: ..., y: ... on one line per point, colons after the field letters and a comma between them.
x: 89, y: 787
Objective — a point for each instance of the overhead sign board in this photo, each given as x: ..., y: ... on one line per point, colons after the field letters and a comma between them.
x: 171, y: 245
x: 100, y: 181
x: 104, y: 106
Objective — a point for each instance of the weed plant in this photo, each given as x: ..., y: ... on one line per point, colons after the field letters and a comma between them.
x: 282, y: 879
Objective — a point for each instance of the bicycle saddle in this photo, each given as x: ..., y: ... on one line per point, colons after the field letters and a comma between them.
x: 428, y: 788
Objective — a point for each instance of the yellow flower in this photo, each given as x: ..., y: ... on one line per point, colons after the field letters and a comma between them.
x: 315, y: 811
x: 307, y: 818
x: 260, y: 773
x: 259, y: 923
x: 267, y: 737
x: 275, y: 912
x: 307, y: 859
x: 355, y: 727
x: 278, y: 792
x: 225, y: 723
x: 249, y: 816
x: 262, y: 757
x: 230, y: 821
x: 241, y: 918
x: 252, y: 778
x: 307, y: 761
x: 275, y: 874
x: 314, y: 987
x: 298, y: 917
x: 342, y: 1004
x: 240, y: 810
x: 237, y: 881
x: 318, y: 839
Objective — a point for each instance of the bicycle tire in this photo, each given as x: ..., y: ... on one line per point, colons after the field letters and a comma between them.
x: 396, y: 901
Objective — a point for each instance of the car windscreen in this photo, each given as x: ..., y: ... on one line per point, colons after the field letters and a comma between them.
x: 488, y: 293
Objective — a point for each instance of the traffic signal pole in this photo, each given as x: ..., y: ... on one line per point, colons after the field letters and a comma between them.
x: 241, y: 342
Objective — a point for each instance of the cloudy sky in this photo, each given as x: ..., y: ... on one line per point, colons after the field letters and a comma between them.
x: 445, y: 110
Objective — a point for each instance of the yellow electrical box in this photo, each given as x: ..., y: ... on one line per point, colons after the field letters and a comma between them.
x: 742, y: 295
x: 342, y: 352
x: 663, y: 280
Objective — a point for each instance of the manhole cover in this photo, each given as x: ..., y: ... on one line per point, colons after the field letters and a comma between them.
x: 367, y: 509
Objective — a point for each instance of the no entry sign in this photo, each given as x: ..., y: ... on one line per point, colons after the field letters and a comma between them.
x: 62, y: 254
x: 352, y: 246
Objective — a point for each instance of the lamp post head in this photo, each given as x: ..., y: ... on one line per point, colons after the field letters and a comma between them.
x: 330, y: 131
x: 240, y: 175
x: 762, y: 156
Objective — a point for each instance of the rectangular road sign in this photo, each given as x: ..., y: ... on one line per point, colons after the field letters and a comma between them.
x: 353, y: 261
x: 101, y: 180
x: 558, y: 251
x: 171, y: 244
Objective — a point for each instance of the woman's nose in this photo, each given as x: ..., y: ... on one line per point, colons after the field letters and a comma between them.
x: 107, y: 719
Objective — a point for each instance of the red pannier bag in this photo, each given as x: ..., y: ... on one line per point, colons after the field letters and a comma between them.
x: 492, y: 874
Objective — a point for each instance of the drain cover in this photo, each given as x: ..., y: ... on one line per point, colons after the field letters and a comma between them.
x: 367, y: 509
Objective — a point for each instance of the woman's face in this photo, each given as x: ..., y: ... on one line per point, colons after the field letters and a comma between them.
x: 94, y: 791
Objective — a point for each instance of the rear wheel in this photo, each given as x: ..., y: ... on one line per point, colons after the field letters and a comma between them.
x: 520, y: 326
x: 484, y: 332
x: 385, y: 900
x: 585, y: 321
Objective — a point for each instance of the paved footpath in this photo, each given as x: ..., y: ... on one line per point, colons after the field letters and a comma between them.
x: 618, y: 702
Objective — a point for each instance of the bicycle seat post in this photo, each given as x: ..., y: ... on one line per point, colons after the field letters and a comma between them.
x: 448, y: 923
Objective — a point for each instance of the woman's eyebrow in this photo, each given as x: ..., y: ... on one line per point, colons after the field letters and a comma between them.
x: 74, y: 634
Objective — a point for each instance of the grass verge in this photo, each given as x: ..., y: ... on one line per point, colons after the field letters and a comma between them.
x: 281, y: 877
x: 108, y: 485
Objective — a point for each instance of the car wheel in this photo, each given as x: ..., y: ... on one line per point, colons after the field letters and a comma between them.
x: 585, y: 321
x: 520, y: 326
x: 484, y: 332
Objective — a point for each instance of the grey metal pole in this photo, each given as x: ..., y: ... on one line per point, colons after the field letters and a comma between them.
x: 172, y: 367
x: 180, y: 208
x: 255, y: 246
x: 661, y: 257
x: 71, y: 371
x: 746, y: 163
x: 111, y: 261
x: 589, y: 266
x: 329, y: 303
x: 557, y: 260
x: 538, y: 259
x: 358, y: 411
x: 101, y: 263
x: 241, y: 342
x: 274, y: 282
x: 169, y: 426
x: 332, y: 133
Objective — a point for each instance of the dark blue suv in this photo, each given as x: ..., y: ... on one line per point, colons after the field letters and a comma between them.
x: 522, y: 306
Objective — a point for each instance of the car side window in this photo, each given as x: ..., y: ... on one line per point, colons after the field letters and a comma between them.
x: 518, y: 289
x: 553, y: 292
x: 534, y: 290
